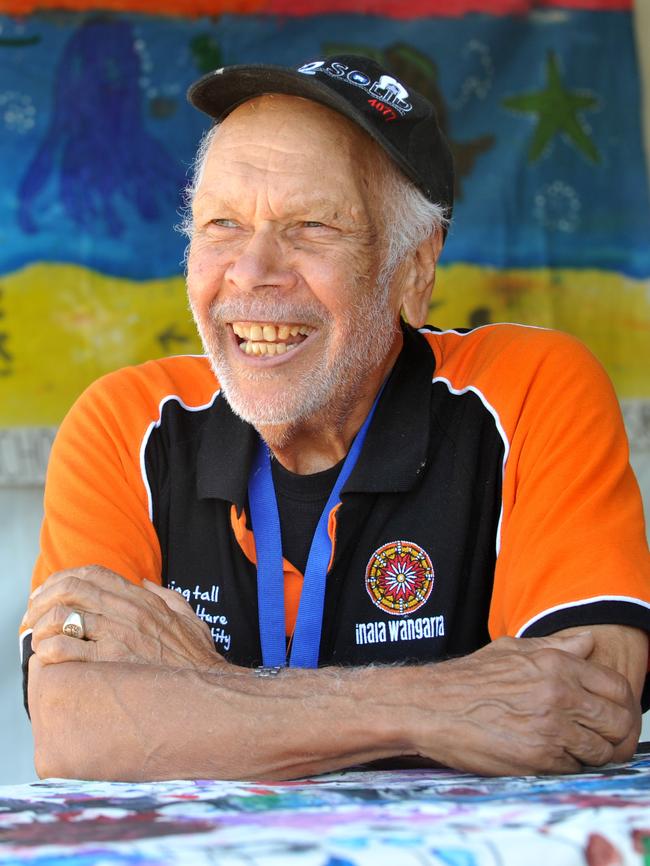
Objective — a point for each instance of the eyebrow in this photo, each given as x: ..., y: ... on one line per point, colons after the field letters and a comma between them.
x: 293, y: 206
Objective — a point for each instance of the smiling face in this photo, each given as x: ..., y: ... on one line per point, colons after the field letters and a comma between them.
x: 284, y: 260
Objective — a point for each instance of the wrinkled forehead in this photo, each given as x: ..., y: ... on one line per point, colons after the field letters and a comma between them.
x: 294, y: 116
x: 288, y: 133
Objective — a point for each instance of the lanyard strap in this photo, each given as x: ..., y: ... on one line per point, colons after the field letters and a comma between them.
x: 270, y: 575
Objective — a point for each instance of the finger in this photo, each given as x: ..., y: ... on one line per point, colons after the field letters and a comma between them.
x: 84, y: 572
x: 98, y: 575
x: 61, y: 648
x: 606, y: 683
x: 625, y: 750
x: 80, y: 578
x: 609, y: 720
x: 71, y: 584
x: 588, y: 747
x: 131, y: 622
x: 504, y: 760
x: 591, y: 676
x: 104, y: 641
x: 559, y: 761
x: 119, y: 601
x: 590, y: 693
x: 172, y: 599
x: 65, y: 594
x: 567, y: 765
x: 52, y: 622
x: 580, y: 644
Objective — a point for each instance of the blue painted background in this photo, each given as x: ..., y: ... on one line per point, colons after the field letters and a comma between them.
x: 96, y: 137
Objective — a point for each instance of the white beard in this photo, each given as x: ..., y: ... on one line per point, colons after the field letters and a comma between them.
x: 327, y: 389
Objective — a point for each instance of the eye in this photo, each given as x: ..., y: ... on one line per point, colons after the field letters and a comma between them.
x: 313, y: 224
x: 224, y: 223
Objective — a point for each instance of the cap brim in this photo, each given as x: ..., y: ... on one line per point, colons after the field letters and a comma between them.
x: 219, y: 93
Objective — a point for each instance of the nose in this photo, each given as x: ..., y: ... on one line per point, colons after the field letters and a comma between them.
x: 261, y: 264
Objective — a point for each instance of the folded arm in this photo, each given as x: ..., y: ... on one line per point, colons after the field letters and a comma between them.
x: 125, y: 721
x: 141, y: 708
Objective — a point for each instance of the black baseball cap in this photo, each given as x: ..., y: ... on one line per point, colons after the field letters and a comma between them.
x: 400, y: 120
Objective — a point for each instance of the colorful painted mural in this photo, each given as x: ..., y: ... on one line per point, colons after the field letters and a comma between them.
x: 380, y: 818
x: 540, y: 102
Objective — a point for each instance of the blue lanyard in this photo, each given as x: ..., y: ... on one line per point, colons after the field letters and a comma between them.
x: 270, y: 575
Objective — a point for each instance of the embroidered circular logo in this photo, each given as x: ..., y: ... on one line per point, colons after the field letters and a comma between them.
x: 399, y: 577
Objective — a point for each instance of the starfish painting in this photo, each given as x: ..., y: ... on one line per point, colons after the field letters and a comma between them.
x: 558, y: 113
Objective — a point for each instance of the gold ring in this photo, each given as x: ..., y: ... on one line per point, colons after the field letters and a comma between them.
x: 74, y: 625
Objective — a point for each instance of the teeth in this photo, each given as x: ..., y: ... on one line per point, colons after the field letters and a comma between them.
x: 269, y: 332
x: 269, y: 339
x: 256, y: 348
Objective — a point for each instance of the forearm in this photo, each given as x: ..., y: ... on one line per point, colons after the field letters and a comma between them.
x: 139, y: 722
x: 513, y: 707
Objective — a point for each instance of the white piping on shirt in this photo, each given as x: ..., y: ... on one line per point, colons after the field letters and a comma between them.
x: 501, y: 431
x: 581, y: 603
x: 21, y: 642
x: 153, y: 425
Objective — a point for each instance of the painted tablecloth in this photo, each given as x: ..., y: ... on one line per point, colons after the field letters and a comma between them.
x: 380, y: 818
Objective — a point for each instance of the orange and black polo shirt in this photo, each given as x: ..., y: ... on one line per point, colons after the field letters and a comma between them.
x: 493, y: 496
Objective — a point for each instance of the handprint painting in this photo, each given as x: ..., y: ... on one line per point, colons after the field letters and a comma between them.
x: 98, y: 170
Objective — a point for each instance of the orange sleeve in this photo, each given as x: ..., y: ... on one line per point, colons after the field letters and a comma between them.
x: 96, y: 506
x: 572, y: 535
x: 96, y: 498
x: 572, y: 529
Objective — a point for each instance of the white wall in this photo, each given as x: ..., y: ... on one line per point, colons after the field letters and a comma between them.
x: 20, y: 517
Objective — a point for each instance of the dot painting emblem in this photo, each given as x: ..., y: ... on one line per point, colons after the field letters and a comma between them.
x: 399, y: 577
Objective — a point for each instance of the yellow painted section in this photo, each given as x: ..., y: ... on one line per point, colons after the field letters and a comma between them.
x: 607, y: 311
x: 64, y: 325
x: 68, y: 325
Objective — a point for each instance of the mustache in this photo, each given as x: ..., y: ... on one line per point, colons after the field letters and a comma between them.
x: 269, y: 309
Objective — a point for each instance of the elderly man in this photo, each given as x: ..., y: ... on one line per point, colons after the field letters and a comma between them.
x: 336, y: 538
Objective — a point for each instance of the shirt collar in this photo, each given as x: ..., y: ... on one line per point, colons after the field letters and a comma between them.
x: 396, y: 446
x: 393, y: 454
x: 225, y: 455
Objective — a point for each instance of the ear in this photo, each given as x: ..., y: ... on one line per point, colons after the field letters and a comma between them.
x: 419, y: 279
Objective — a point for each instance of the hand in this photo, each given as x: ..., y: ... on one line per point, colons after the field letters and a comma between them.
x: 123, y: 622
x: 532, y: 705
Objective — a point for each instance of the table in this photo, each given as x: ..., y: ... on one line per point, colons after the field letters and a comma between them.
x: 380, y: 818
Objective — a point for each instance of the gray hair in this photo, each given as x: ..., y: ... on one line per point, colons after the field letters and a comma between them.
x: 407, y: 214
x: 196, y: 169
